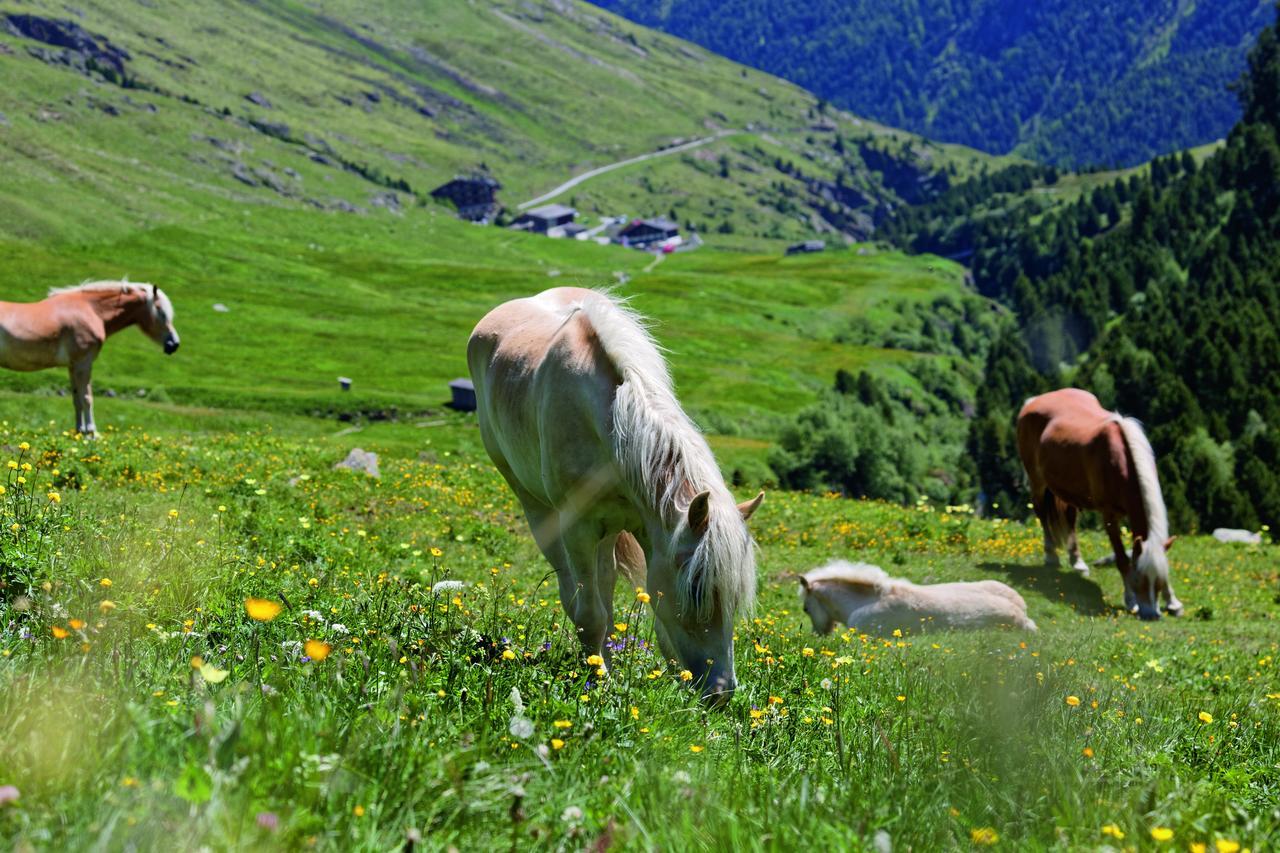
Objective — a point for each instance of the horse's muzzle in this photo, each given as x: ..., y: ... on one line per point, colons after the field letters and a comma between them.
x: 170, y: 345
x: 718, y: 691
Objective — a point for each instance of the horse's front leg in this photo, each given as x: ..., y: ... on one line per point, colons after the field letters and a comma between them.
x: 1112, y: 524
x: 82, y: 391
x: 571, y: 550
x: 588, y: 550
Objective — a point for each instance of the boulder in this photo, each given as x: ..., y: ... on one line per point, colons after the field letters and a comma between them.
x: 361, y: 460
x: 1231, y: 534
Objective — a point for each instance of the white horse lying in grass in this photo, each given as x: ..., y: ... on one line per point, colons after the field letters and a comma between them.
x: 862, y: 596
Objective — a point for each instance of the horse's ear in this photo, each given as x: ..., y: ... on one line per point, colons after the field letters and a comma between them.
x: 700, y: 513
x: 804, y: 582
x: 153, y: 293
x: 748, y: 508
x: 1168, y: 543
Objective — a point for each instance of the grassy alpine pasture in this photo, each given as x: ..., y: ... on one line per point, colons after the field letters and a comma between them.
x: 390, y: 300
x: 142, y: 706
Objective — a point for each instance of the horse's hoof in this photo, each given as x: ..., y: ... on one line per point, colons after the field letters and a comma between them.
x: 1082, y: 567
x: 1175, y: 612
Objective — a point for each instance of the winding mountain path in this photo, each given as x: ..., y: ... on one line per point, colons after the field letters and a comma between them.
x: 585, y: 176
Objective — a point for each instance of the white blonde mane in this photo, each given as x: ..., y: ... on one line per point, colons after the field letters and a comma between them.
x: 1153, y: 556
x: 122, y: 286
x: 666, y: 461
x: 846, y: 572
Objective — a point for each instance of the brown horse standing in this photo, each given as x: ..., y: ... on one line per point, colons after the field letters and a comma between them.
x: 69, y: 327
x: 1080, y: 456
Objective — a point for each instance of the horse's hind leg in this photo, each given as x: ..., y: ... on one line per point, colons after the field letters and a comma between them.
x: 1071, y: 515
x: 1042, y: 501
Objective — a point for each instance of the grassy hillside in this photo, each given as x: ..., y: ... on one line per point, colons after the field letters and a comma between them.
x: 284, y: 106
x: 389, y: 301
x: 139, y: 703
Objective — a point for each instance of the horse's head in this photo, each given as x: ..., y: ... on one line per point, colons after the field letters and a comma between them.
x: 700, y: 577
x: 157, y: 320
x: 1150, y: 576
x: 815, y: 607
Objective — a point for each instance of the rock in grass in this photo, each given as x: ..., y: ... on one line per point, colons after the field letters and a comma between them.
x: 1230, y: 534
x: 361, y: 460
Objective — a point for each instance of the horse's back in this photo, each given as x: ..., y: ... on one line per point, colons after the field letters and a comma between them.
x: 37, y: 335
x: 543, y: 388
x: 1062, y: 420
x: 1076, y: 448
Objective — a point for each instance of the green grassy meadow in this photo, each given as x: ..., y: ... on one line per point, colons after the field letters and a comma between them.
x: 142, y: 707
x: 140, y: 703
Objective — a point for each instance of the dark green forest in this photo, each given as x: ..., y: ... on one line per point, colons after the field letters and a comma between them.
x: 1069, y: 82
x: 1159, y: 291
x: 1161, y: 294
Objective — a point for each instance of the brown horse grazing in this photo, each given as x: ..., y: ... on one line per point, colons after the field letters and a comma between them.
x: 1080, y: 456
x: 68, y: 328
x: 578, y: 413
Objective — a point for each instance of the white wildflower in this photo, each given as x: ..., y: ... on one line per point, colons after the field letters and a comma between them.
x: 520, y: 727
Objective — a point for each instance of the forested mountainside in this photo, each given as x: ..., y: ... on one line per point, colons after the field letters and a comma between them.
x: 1161, y: 294
x: 1069, y: 82
x: 1157, y: 288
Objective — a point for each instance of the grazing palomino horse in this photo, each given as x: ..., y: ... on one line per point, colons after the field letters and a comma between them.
x: 1080, y: 456
x: 68, y: 328
x: 578, y: 412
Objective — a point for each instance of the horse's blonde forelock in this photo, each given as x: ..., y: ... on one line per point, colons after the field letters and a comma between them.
x: 666, y: 461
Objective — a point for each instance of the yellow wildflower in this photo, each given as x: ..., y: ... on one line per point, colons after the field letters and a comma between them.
x: 262, y: 609
x: 983, y: 835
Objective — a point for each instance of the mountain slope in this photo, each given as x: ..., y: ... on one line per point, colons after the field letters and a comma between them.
x: 277, y: 161
x: 155, y: 108
x: 1070, y: 82
x: 1167, y: 306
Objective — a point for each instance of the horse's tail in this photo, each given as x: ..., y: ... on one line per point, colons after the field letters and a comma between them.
x: 630, y: 558
x: 1152, y: 560
x: 1055, y: 518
